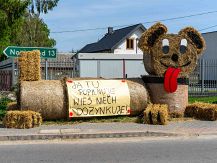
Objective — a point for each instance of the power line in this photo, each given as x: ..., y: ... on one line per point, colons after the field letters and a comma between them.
x: 148, y: 22
x: 207, y: 28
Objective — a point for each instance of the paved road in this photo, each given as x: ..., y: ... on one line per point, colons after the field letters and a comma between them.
x: 112, y: 150
x: 187, y: 127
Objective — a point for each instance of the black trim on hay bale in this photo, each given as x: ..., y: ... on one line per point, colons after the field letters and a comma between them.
x: 157, y: 79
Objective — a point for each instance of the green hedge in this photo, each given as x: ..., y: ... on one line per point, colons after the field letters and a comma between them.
x: 3, y: 106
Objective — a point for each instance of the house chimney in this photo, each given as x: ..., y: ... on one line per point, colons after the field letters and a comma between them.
x: 110, y: 30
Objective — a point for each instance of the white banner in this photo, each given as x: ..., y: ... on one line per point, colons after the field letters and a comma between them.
x: 98, y: 98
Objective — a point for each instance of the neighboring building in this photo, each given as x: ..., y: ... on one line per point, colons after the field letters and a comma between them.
x: 120, y: 41
x: 108, y: 65
x: 207, y: 66
x: 58, y: 68
x: 211, y: 45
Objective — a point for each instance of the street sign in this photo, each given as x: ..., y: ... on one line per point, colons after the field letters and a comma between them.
x: 14, y: 51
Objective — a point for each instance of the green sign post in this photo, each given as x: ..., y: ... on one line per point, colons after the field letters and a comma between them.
x: 14, y: 51
x: 46, y: 53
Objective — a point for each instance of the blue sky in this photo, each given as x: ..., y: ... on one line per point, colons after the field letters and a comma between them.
x: 84, y: 14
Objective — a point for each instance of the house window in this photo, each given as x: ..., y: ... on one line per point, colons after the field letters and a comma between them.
x: 130, y: 43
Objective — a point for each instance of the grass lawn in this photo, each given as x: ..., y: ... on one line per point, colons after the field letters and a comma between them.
x: 211, y: 99
x: 125, y: 119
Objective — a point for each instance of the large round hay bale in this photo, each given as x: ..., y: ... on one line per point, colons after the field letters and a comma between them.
x: 139, y: 96
x: 46, y: 97
x: 49, y: 97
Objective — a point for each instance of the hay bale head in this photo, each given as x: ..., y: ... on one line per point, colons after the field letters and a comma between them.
x: 50, y: 97
x: 164, y: 50
x: 29, y: 64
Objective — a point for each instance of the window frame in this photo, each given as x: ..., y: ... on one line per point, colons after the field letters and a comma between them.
x: 130, y: 42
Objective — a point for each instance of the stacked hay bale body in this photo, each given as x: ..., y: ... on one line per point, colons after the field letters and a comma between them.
x: 203, y: 111
x: 29, y: 65
x: 49, y: 97
x: 156, y: 114
x: 22, y: 119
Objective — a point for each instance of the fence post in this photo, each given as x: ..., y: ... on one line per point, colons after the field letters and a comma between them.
x: 46, y: 75
x: 74, y: 66
x: 98, y: 69
x: 124, y: 69
x: 202, y: 74
x: 13, y: 72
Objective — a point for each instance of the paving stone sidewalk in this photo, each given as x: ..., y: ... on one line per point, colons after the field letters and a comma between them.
x: 96, y: 130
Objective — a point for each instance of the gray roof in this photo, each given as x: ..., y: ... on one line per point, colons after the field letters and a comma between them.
x: 63, y: 60
x: 110, y: 41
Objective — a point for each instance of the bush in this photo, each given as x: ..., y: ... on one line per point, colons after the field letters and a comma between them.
x: 2, y: 114
x: 3, y: 106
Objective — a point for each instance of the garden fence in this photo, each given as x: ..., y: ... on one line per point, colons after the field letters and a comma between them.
x: 202, y: 82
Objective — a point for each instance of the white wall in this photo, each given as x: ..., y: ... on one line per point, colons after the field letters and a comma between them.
x: 121, y: 49
x: 109, y: 65
x: 88, y: 68
x: 211, y: 45
x: 111, y: 68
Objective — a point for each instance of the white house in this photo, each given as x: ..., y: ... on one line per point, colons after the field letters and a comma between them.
x: 98, y: 59
x: 120, y: 41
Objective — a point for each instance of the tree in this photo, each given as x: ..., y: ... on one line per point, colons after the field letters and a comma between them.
x: 34, y: 32
x: 11, y: 12
x: 41, y: 6
x: 19, y: 25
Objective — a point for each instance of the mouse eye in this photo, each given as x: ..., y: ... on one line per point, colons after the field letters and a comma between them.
x: 183, y: 46
x: 165, y: 46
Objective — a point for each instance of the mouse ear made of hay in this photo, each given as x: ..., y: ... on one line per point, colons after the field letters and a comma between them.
x: 195, y: 38
x: 149, y: 37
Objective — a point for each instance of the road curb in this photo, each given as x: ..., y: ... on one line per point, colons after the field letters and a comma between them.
x: 87, y: 136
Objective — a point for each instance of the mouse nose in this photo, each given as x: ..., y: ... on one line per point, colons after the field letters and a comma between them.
x: 175, y: 57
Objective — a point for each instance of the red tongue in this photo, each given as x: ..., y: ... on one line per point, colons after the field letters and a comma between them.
x: 170, y: 79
